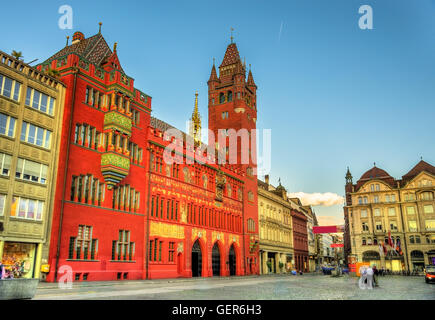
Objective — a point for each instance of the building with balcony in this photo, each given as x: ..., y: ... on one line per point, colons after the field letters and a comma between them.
x: 31, y: 112
x: 391, y: 222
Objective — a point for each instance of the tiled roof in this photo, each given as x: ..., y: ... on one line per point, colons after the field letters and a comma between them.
x: 231, y: 55
x: 376, y: 173
x: 94, y: 49
x: 419, y: 167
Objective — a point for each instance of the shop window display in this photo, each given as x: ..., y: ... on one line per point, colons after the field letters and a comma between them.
x: 18, y: 260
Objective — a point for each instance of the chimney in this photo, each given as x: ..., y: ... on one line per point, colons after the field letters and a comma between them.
x: 266, y: 179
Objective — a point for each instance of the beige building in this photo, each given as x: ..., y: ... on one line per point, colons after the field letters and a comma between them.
x: 379, y: 206
x: 31, y: 107
x: 276, y: 237
x: 312, y: 239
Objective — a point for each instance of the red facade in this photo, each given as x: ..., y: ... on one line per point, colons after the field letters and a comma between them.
x: 121, y: 211
x: 300, y: 241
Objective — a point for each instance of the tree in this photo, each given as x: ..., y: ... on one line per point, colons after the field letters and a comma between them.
x: 53, y: 73
x: 17, y: 54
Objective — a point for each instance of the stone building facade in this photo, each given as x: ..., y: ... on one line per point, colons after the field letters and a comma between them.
x: 31, y: 110
x: 391, y: 222
x: 276, y: 237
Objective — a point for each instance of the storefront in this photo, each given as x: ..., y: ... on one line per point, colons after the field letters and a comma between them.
x: 373, y: 258
x: 394, y: 262
x: 417, y: 260
x: 19, y: 259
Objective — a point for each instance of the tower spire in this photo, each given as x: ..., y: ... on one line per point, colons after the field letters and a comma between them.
x: 232, y: 38
x: 348, y: 176
x: 195, y: 123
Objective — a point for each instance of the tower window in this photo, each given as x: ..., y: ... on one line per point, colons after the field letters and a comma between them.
x: 230, y: 96
x: 221, y: 97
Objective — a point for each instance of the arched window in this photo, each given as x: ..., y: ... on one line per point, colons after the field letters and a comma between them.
x: 230, y: 96
x: 364, y: 241
x: 417, y: 239
x: 221, y: 97
x: 411, y: 239
x: 375, y: 241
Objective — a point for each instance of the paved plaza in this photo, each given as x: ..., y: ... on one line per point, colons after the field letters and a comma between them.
x: 274, y: 287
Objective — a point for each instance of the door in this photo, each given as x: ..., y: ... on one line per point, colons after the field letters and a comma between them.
x: 196, y: 260
x: 232, y: 261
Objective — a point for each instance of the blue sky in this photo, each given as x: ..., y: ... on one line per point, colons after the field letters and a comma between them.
x: 334, y: 95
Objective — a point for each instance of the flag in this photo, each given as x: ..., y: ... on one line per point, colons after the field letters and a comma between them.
x: 381, y: 251
x: 398, y: 248
x: 385, y: 248
x: 390, y: 241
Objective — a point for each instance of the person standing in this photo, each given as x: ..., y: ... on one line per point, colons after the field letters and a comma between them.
x: 375, y: 276
x: 370, y: 273
x: 363, y: 277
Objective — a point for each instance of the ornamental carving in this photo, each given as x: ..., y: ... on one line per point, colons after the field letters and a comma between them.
x: 166, y: 230
x: 220, y: 185
x: 180, y: 247
x: 200, y: 233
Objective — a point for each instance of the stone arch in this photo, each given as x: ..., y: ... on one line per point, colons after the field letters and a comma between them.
x: 200, y: 271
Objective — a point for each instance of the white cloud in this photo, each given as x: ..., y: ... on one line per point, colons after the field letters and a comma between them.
x: 330, y: 221
x: 326, y: 199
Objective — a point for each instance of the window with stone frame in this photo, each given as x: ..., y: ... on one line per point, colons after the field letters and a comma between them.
x: 83, y: 246
x: 123, y: 249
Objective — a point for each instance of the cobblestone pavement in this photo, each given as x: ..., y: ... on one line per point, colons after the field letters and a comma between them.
x: 277, y: 287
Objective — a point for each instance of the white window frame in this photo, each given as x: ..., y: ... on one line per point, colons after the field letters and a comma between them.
x: 14, y: 82
x: 49, y: 99
x: 44, y: 135
x: 37, y: 208
x: 8, y: 125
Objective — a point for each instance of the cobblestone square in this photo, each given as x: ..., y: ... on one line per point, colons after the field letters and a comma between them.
x: 277, y: 287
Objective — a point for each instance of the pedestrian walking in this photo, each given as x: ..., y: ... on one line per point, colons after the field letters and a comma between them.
x: 370, y: 273
x: 363, y: 277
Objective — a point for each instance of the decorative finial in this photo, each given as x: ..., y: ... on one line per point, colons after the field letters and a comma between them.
x: 249, y: 67
x: 374, y: 164
x: 421, y: 158
x: 279, y: 181
x: 213, y: 60
x: 232, y: 34
x: 67, y: 39
x: 114, y: 46
x: 100, y: 23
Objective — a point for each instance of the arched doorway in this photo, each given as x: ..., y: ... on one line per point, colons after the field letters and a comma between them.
x: 216, y: 260
x: 196, y: 260
x: 232, y: 261
x: 417, y: 260
x: 373, y: 258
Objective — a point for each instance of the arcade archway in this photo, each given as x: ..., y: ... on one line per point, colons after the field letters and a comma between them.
x: 196, y: 260
x: 216, y: 260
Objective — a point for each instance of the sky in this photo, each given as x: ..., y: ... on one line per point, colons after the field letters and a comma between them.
x: 334, y: 95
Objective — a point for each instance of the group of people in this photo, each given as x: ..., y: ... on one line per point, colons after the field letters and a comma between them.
x: 368, y: 277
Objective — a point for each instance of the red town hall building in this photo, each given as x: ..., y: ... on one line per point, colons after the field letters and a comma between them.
x: 121, y: 211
